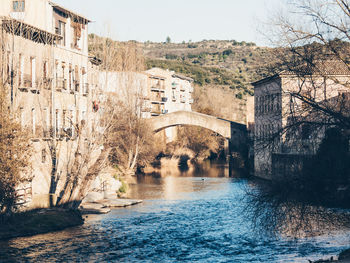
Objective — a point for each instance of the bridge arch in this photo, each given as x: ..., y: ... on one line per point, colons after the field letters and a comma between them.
x: 220, y: 126
x: 235, y: 133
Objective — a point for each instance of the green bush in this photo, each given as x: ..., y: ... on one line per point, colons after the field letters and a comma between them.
x: 239, y: 96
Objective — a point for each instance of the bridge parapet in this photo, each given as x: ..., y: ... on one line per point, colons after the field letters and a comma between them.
x: 220, y: 126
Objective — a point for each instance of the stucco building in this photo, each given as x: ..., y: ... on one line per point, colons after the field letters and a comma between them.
x: 178, y: 91
x: 47, y: 60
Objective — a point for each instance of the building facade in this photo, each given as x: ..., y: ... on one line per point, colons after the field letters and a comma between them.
x: 178, y: 91
x: 46, y: 51
x: 285, y: 127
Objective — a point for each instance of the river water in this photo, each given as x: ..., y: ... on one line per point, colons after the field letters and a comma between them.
x: 192, y: 216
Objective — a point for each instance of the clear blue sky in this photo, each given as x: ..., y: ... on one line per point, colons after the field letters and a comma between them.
x: 194, y: 20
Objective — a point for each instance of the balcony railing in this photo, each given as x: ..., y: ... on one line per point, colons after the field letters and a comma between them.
x: 156, y: 111
x: 158, y: 87
x: 156, y: 98
x: 47, y: 82
x: 25, y: 82
x: 61, y: 84
x: 86, y: 89
x: 48, y: 134
x: 76, y: 86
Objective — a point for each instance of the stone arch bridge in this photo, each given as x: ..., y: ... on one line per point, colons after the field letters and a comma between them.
x: 235, y: 133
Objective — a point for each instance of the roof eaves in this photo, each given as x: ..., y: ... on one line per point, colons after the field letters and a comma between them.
x: 69, y: 12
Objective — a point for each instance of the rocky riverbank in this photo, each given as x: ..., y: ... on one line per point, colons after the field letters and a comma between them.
x: 104, y: 206
x: 39, y: 222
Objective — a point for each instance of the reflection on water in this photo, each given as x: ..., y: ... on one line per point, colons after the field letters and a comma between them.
x: 188, y: 217
x: 164, y: 185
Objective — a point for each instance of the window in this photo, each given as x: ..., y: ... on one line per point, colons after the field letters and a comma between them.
x: 61, y: 31
x: 32, y: 71
x: 77, y: 79
x: 21, y: 117
x: 77, y: 116
x: 76, y: 28
x: 64, y: 113
x: 58, y: 122
x: 70, y: 80
x: 33, y: 121
x: 305, y: 131
x: 43, y: 155
x: 21, y: 69
x: 45, y: 70
x: 18, y: 6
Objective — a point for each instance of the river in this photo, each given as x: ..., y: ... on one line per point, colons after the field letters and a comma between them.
x: 192, y: 216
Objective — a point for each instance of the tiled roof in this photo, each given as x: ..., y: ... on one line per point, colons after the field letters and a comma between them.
x: 326, y: 67
x: 321, y: 67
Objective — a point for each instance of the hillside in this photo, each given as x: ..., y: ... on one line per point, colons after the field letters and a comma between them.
x: 223, y: 69
x: 229, y: 63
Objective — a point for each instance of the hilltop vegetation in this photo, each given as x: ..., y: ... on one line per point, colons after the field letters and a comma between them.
x: 209, y: 62
x: 220, y: 67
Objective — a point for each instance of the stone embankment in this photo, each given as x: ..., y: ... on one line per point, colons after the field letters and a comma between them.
x: 103, y: 194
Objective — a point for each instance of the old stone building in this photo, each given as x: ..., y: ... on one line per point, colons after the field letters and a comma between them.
x: 286, y: 128
x: 46, y: 49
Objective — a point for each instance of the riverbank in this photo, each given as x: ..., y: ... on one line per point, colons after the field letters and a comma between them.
x: 344, y: 257
x: 39, y: 221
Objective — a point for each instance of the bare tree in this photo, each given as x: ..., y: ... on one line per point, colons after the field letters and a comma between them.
x: 130, y: 139
x: 15, y: 146
x: 304, y: 113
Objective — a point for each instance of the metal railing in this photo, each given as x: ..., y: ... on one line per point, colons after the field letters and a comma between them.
x: 76, y: 86
x: 61, y: 83
x: 86, y: 89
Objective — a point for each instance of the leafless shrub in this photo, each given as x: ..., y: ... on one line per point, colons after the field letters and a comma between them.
x: 15, y: 153
x: 280, y: 210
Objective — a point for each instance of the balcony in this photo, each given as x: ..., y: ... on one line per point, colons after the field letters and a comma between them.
x: 191, y: 101
x: 157, y: 98
x: 182, y: 88
x: 190, y: 89
x: 76, y: 86
x: 174, y: 85
x: 164, y: 99
x: 165, y: 111
x: 61, y: 84
x: 25, y: 83
x: 158, y: 87
x: 86, y: 89
x: 47, y: 82
x: 48, y: 134
x: 155, y: 112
